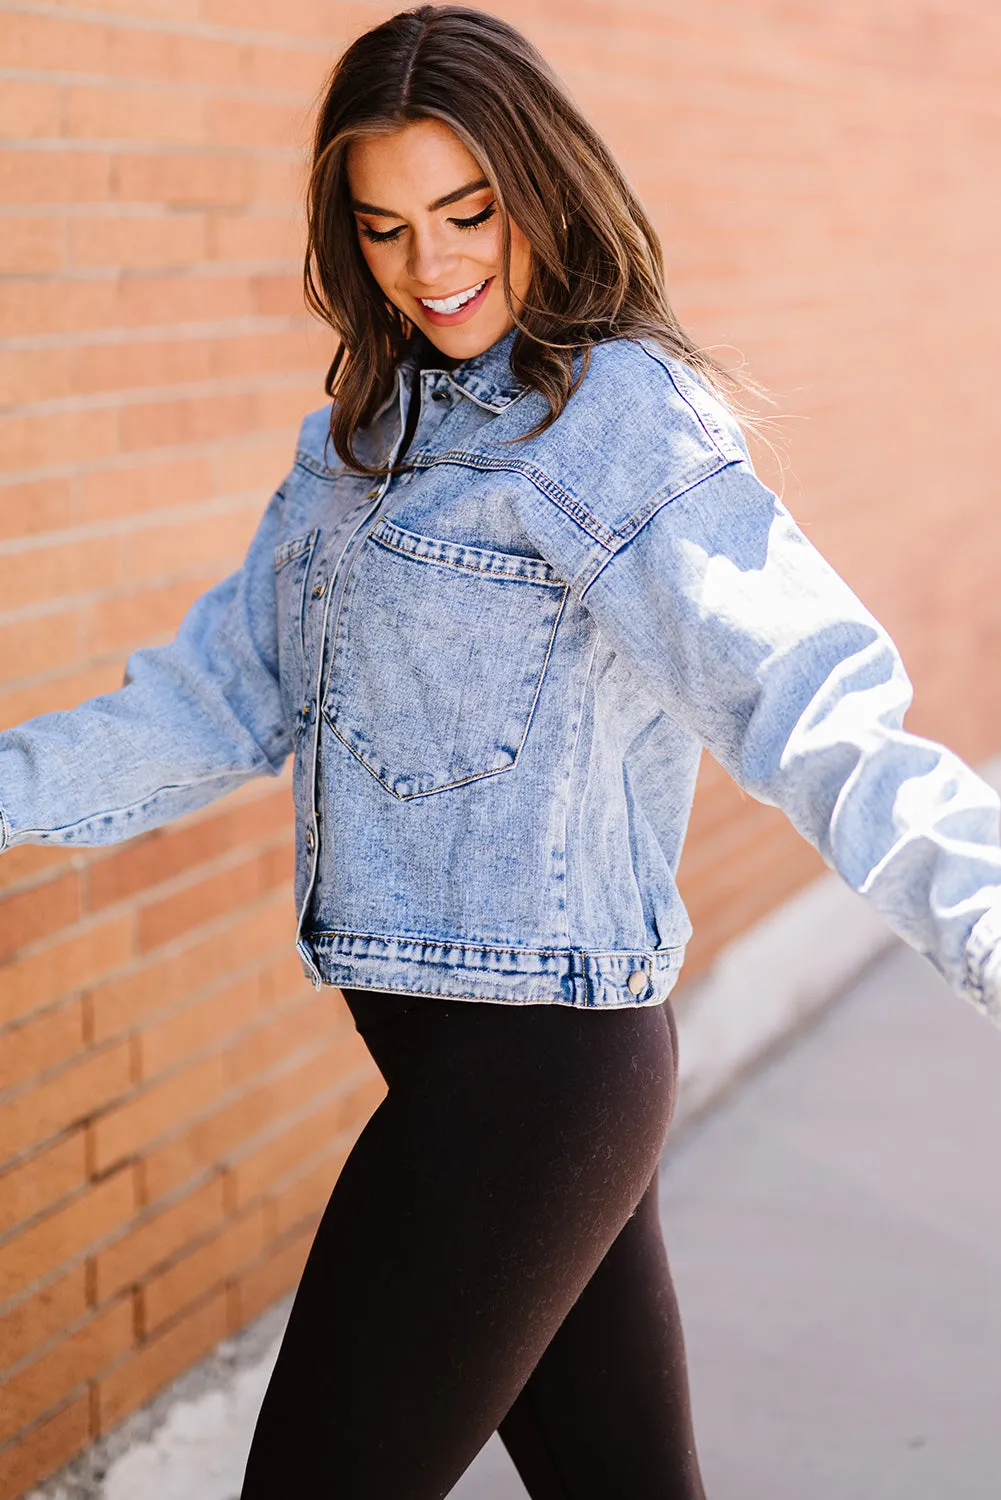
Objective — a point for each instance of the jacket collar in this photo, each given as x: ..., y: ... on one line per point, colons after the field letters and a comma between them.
x: 486, y: 378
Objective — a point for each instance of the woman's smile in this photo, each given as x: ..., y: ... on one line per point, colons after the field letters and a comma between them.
x: 456, y: 307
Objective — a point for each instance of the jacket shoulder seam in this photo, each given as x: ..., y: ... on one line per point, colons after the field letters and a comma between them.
x: 715, y: 437
x: 663, y: 497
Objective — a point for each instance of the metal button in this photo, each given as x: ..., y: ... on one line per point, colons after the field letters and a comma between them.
x: 318, y: 588
x: 372, y: 495
x: 307, y: 709
x: 310, y: 839
x: 637, y: 982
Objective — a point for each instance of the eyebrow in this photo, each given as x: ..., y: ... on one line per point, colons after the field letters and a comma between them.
x: 389, y: 213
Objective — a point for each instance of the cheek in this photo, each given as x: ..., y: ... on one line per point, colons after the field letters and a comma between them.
x: 521, y: 260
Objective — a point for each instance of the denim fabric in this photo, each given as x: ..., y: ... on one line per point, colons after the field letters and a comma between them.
x: 495, y: 673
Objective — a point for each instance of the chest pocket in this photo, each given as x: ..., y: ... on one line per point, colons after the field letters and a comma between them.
x: 292, y: 559
x: 438, y: 658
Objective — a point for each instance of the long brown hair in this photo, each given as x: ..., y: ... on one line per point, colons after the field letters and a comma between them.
x: 597, y: 262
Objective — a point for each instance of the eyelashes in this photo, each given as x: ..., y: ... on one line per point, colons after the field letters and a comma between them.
x: 387, y: 236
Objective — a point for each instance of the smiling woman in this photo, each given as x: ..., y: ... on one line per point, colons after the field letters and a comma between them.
x: 495, y: 671
x: 451, y: 168
x: 441, y: 264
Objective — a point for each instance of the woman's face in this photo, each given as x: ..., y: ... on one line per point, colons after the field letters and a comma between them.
x: 430, y: 232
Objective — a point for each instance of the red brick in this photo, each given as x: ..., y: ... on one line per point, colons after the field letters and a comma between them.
x: 52, y: 1377
x: 295, y: 1026
x: 34, y: 506
x: 63, y: 1235
x: 156, y: 1238
x: 157, y: 482
x: 151, y: 1367
x: 34, y: 1185
x: 262, y: 1285
x: 162, y: 921
x: 168, y: 851
x: 301, y: 1199
x: 72, y: 1094
x: 27, y: 916
x: 40, y: 643
x: 59, y: 692
x: 78, y: 959
x: 257, y: 1170
x: 153, y: 1110
x: 33, y: 1321
x: 142, y: 617
x: 167, y: 115
x: 45, y: 1448
x: 31, y: 245
x: 205, y: 1021
x: 41, y: 1043
x: 208, y: 1141
x: 209, y: 1266
x: 120, y: 1002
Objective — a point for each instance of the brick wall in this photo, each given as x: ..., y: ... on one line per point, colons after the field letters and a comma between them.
x: 175, y: 1100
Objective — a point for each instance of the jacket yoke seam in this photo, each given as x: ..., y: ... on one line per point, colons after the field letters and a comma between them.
x: 547, y: 486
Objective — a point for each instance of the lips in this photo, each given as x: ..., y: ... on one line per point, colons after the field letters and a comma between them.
x: 455, y: 301
x: 458, y: 306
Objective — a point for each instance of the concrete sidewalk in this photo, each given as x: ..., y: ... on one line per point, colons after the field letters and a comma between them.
x: 835, y: 1235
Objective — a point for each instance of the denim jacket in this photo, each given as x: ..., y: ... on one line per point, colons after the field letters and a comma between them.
x: 495, y: 672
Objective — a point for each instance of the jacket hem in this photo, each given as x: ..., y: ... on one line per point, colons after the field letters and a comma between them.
x: 455, y: 970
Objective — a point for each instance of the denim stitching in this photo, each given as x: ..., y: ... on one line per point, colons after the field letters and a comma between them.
x: 555, y: 492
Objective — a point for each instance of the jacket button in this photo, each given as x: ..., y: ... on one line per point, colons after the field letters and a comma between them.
x: 637, y: 982
x: 319, y: 588
x: 310, y: 839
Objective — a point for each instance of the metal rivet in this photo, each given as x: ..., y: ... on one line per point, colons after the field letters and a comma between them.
x: 637, y: 982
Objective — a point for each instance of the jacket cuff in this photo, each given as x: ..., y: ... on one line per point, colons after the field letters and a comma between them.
x: 983, y: 963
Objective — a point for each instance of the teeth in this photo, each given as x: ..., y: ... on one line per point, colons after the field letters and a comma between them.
x: 452, y: 304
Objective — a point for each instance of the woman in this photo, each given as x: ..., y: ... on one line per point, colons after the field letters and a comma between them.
x: 520, y: 572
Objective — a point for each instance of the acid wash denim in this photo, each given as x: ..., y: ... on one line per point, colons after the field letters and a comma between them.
x: 495, y: 673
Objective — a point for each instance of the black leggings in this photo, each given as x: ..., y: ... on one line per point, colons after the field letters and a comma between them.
x: 490, y: 1259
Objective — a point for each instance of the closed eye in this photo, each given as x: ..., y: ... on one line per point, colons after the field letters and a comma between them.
x: 387, y: 236
x: 477, y: 220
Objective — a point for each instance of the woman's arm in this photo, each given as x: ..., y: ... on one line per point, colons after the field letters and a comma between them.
x: 740, y: 627
x: 194, y: 719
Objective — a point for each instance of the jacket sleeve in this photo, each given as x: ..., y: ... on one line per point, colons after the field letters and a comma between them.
x: 193, y: 719
x: 740, y: 627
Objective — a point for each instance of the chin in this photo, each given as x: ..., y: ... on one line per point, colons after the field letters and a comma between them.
x: 464, y: 342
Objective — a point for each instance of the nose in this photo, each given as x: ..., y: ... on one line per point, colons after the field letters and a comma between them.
x: 431, y: 258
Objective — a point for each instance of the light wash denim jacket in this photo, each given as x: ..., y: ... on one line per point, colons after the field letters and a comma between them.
x: 495, y: 673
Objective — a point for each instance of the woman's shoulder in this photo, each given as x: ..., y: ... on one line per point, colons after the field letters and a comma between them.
x: 659, y: 396
x: 640, y: 424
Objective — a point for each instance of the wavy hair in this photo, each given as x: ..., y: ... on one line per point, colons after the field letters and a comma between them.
x: 597, y: 261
